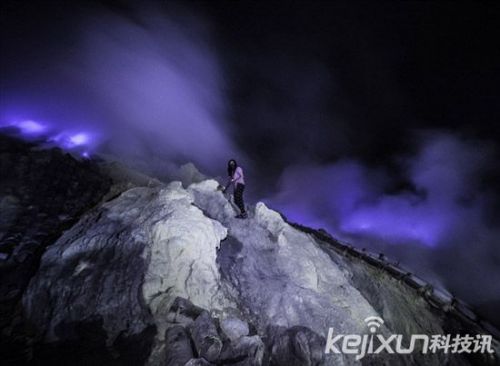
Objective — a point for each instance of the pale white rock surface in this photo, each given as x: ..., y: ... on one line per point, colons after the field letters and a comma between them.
x: 269, y: 287
x: 234, y: 328
x: 281, y: 275
x: 126, y: 262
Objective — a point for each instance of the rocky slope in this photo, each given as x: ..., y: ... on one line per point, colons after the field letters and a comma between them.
x: 42, y: 192
x: 163, y: 274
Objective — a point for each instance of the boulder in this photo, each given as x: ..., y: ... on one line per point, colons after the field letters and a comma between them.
x: 206, y: 338
x: 177, y: 346
x: 245, y: 351
x: 296, y: 346
x: 234, y: 328
x: 183, y: 311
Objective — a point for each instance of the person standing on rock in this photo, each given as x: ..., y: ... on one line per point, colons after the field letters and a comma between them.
x: 236, y: 177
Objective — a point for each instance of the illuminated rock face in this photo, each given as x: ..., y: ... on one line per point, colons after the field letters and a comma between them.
x: 166, y: 275
x: 126, y: 262
x: 281, y: 274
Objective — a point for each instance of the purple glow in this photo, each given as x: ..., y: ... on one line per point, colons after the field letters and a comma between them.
x: 348, y: 197
x: 69, y: 141
x: 52, y: 134
x: 394, y: 220
x: 27, y: 127
x: 31, y: 127
x: 79, y: 139
x: 148, y: 92
x: 161, y: 86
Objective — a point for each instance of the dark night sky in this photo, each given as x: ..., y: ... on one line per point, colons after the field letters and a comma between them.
x: 387, y: 68
x: 400, y: 100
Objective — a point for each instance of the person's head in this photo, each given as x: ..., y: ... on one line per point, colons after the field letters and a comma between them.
x: 231, y: 167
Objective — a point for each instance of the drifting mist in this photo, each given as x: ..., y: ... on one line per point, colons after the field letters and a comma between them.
x: 145, y: 88
x: 439, y: 225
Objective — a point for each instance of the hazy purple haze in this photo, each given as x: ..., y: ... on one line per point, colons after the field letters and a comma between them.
x: 439, y: 226
x: 146, y: 89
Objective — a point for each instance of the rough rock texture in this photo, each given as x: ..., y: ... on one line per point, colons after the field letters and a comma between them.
x: 42, y: 192
x: 297, y: 346
x: 126, y: 263
x: 210, y: 343
x: 273, y: 266
x: 162, y: 274
x: 234, y: 328
x: 206, y: 338
x: 245, y: 351
x: 177, y: 346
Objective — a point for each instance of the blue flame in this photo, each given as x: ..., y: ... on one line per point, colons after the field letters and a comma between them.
x: 31, y: 127
x: 70, y: 141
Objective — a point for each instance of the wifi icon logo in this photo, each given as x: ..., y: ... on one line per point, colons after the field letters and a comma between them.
x: 373, y: 323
